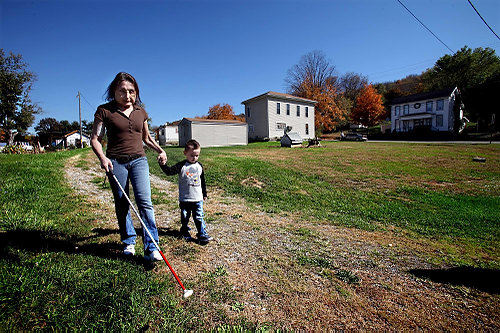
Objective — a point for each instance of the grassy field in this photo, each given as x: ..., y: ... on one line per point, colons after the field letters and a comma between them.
x: 430, y: 191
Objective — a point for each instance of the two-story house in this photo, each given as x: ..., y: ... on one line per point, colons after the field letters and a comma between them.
x: 438, y: 111
x: 269, y: 114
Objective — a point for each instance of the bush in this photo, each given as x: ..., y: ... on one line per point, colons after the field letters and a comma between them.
x: 14, y: 149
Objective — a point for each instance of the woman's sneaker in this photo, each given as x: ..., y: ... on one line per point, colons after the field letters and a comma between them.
x: 205, y: 239
x: 153, y: 256
x: 129, y: 250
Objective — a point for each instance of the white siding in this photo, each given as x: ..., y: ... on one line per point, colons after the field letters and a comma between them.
x: 298, y: 124
x: 258, y: 119
x: 71, y: 139
x: 168, y: 134
x: 214, y: 135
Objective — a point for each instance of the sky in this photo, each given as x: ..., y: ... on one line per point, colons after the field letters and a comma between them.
x: 189, y: 55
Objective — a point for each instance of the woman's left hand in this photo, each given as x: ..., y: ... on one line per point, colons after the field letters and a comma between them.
x: 162, y: 158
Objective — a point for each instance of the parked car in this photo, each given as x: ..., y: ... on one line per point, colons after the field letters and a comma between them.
x: 352, y: 137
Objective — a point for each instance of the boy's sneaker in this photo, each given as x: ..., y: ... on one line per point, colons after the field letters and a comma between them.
x: 129, y: 250
x: 153, y: 256
x: 186, y: 236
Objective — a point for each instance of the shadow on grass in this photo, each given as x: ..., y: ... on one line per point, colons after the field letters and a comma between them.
x: 478, y: 278
x: 50, y: 241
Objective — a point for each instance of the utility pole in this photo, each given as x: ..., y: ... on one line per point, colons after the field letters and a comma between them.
x: 80, y: 116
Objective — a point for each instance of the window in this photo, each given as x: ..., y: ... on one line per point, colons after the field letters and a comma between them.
x: 248, y: 111
x: 406, y: 109
x: 397, y: 110
x: 288, y: 109
x: 307, y: 111
x: 250, y: 128
x: 278, y: 105
x: 280, y: 126
x: 429, y: 106
x: 439, y: 120
x: 440, y: 105
x: 307, y: 129
x: 298, y: 110
x: 406, y: 125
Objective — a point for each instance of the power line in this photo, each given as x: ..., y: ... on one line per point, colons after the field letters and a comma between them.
x: 87, y: 101
x: 400, y: 69
x: 483, y: 19
x: 416, y: 18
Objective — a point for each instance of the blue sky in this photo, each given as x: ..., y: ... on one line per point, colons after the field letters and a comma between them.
x: 190, y: 55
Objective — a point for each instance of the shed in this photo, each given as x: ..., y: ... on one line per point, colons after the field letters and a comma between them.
x: 73, y: 139
x: 213, y: 133
x: 291, y: 139
x: 168, y: 134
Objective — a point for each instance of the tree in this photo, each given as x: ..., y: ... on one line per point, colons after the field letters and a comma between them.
x: 87, y: 126
x: 16, y: 108
x: 314, y: 78
x: 48, y: 129
x: 221, y: 112
x: 313, y: 68
x: 474, y: 72
x: 465, y: 69
x: 351, y: 84
x: 369, y: 109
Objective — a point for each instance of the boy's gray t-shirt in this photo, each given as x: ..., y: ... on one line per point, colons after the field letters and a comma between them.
x: 190, y: 182
x: 192, y: 186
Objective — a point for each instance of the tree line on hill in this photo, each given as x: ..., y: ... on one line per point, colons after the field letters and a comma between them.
x: 350, y: 98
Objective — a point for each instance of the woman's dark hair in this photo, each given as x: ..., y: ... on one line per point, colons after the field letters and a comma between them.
x: 122, y: 76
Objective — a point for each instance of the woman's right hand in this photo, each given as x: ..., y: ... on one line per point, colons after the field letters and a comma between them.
x: 106, y: 164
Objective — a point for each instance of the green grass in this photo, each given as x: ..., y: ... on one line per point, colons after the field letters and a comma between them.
x: 398, y: 186
x: 45, y: 282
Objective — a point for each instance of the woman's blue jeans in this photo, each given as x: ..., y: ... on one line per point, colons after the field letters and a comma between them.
x: 135, y: 172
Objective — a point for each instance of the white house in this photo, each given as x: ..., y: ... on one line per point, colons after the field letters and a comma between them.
x: 168, y: 133
x: 71, y: 139
x: 438, y: 111
x: 269, y: 114
x: 213, y: 133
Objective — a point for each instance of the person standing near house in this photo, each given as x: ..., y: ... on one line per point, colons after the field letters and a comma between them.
x: 125, y: 122
x: 192, y: 190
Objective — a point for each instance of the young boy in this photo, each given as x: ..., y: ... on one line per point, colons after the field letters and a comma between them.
x: 192, y: 190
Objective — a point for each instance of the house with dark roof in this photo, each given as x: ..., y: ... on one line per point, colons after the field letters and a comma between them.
x: 269, y: 114
x: 72, y: 139
x: 437, y: 111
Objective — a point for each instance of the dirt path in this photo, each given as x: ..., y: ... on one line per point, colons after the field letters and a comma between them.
x: 278, y: 270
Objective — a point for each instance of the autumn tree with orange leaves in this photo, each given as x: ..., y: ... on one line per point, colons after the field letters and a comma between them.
x: 329, y: 110
x: 222, y: 112
x: 314, y: 78
x: 368, y: 109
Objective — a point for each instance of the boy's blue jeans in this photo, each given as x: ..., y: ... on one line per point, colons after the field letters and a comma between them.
x: 137, y: 173
x: 196, y: 209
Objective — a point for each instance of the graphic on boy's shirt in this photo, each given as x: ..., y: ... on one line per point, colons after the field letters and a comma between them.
x: 192, y: 176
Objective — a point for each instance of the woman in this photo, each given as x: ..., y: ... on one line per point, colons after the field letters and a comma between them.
x: 126, y: 124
